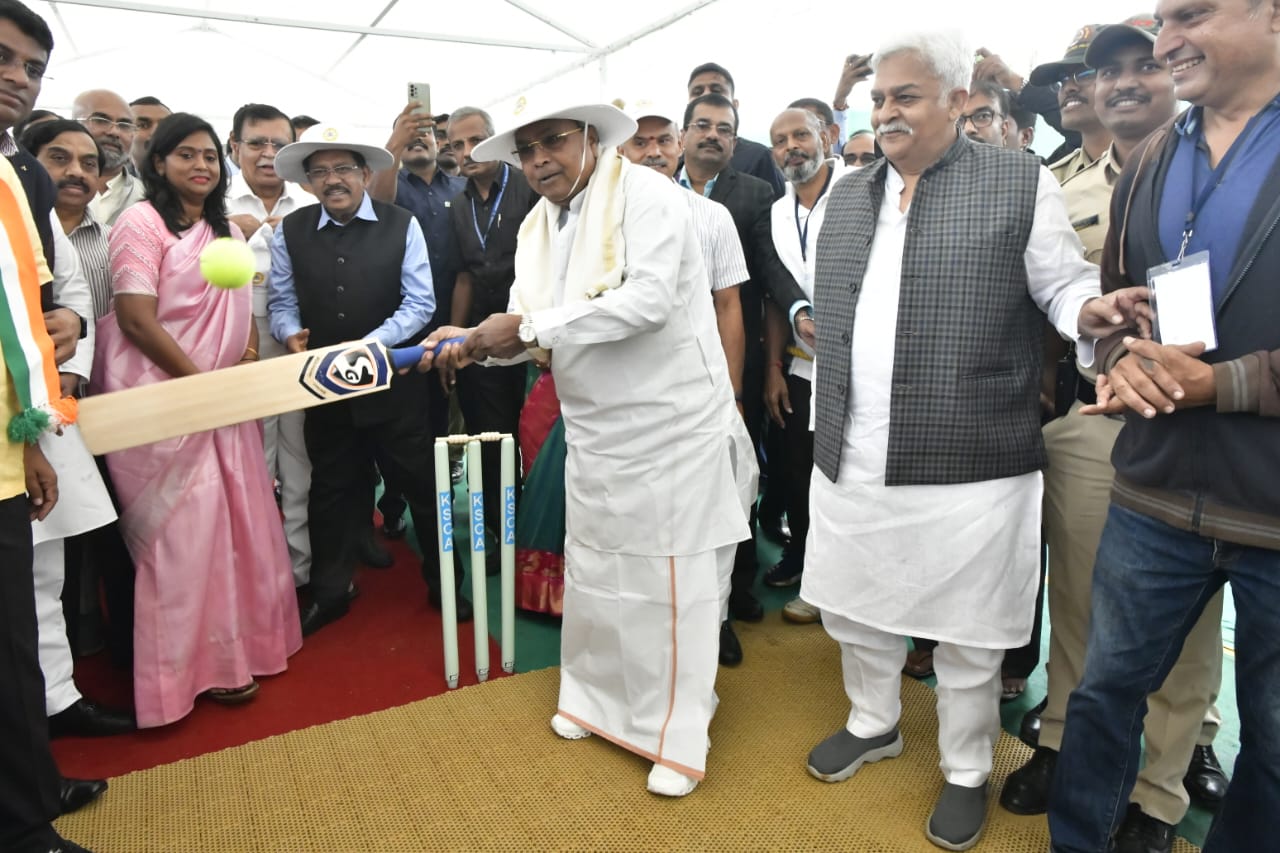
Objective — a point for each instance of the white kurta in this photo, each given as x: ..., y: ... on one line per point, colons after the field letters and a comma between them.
x: 644, y: 388
x: 957, y: 563
x: 650, y: 491
x: 788, y: 220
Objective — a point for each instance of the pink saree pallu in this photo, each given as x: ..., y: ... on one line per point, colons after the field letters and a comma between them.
x: 214, y: 597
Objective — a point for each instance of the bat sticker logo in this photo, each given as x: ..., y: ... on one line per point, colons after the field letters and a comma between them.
x: 358, y: 369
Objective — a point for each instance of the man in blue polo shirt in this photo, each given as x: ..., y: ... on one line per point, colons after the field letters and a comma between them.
x: 1196, y: 500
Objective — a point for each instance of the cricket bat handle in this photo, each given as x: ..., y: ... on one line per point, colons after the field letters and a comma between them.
x: 406, y: 357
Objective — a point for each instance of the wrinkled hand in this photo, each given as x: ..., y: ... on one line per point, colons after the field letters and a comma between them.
x: 1126, y: 308
x: 63, y: 325
x: 409, y: 126
x: 992, y: 67
x: 807, y: 330
x: 451, y: 356
x: 777, y: 399
x: 42, y: 482
x: 497, y: 336
x: 1154, y: 378
x: 854, y: 71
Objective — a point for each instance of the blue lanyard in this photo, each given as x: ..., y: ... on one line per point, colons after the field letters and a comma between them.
x: 804, y: 232
x: 1218, y: 175
x: 493, y: 211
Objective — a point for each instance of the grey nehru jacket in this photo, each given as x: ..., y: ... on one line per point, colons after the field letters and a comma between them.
x: 964, y: 406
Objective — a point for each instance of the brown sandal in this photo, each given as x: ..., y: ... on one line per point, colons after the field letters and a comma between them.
x: 233, y: 695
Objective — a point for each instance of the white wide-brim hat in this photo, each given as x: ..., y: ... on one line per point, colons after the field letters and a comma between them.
x: 612, y: 125
x: 327, y: 137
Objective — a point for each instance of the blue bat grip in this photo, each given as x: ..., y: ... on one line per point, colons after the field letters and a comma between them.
x: 404, y: 357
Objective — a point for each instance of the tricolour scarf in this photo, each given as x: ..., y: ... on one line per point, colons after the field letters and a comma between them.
x: 26, y: 345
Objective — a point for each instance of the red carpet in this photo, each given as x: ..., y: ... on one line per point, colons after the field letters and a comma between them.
x: 385, y: 652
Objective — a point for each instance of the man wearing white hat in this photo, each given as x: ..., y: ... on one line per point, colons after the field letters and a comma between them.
x: 610, y: 286
x: 352, y: 268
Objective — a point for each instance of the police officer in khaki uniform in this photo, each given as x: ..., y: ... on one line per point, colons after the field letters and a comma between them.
x: 1133, y: 95
x: 1074, y: 82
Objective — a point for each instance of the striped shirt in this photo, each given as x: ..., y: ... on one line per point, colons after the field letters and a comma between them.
x: 721, y: 249
x: 90, y: 241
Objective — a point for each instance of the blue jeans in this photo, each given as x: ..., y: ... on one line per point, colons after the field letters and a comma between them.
x: 1150, y: 583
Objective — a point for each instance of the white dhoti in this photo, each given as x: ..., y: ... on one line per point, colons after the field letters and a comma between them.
x: 83, y: 505
x: 639, y: 649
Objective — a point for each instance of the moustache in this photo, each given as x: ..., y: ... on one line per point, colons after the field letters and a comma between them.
x: 336, y: 190
x: 897, y: 126
x: 73, y: 182
x: 711, y: 143
x: 656, y: 162
x: 1128, y: 94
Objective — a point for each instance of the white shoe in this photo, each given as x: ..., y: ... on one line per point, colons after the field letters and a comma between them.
x: 801, y: 612
x: 669, y: 783
x: 568, y: 729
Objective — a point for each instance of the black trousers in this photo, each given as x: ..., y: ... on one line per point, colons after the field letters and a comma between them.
x: 342, y: 454
x: 491, y: 399
x: 29, y: 780
x: 746, y: 563
x: 105, y: 548
x: 798, y: 443
x: 392, y: 504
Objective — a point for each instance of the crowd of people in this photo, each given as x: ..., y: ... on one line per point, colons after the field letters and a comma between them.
x: 941, y: 355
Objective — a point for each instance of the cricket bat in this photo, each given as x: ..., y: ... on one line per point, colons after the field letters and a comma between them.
x: 246, y: 392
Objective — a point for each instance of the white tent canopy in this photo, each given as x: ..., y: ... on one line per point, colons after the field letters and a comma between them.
x: 350, y: 62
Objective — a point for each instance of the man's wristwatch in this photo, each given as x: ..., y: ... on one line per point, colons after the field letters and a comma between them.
x: 527, y: 333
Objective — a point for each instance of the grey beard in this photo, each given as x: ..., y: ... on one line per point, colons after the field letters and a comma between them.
x: 804, y: 172
x: 111, y: 162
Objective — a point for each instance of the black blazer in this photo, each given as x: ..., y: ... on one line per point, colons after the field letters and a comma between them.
x: 750, y: 201
x: 754, y: 159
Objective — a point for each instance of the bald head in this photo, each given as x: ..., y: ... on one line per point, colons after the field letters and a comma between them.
x: 109, y: 120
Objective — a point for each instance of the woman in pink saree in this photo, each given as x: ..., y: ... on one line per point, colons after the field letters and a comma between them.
x: 214, y: 597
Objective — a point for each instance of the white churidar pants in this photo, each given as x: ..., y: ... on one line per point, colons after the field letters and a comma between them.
x: 49, y: 566
x: 968, y: 694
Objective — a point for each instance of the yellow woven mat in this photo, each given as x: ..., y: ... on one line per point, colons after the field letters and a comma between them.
x: 479, y: 769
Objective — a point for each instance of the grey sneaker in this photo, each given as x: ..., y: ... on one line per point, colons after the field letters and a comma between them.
x: 958, y: 816
x: 839, y: 756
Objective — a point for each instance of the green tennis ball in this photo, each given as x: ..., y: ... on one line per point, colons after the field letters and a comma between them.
x: 227, y: 263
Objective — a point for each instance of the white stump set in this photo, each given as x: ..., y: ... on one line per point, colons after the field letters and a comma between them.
x: 507, y: 547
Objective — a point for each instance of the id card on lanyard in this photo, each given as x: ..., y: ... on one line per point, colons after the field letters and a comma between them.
x: 1182, y: 301
x: 1182, y: 297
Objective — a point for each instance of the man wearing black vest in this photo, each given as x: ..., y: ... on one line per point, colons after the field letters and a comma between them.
x: 934, y: 269
x: 352, y: 268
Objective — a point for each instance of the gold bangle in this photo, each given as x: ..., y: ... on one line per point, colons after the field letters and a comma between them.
x: 251, y: 350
